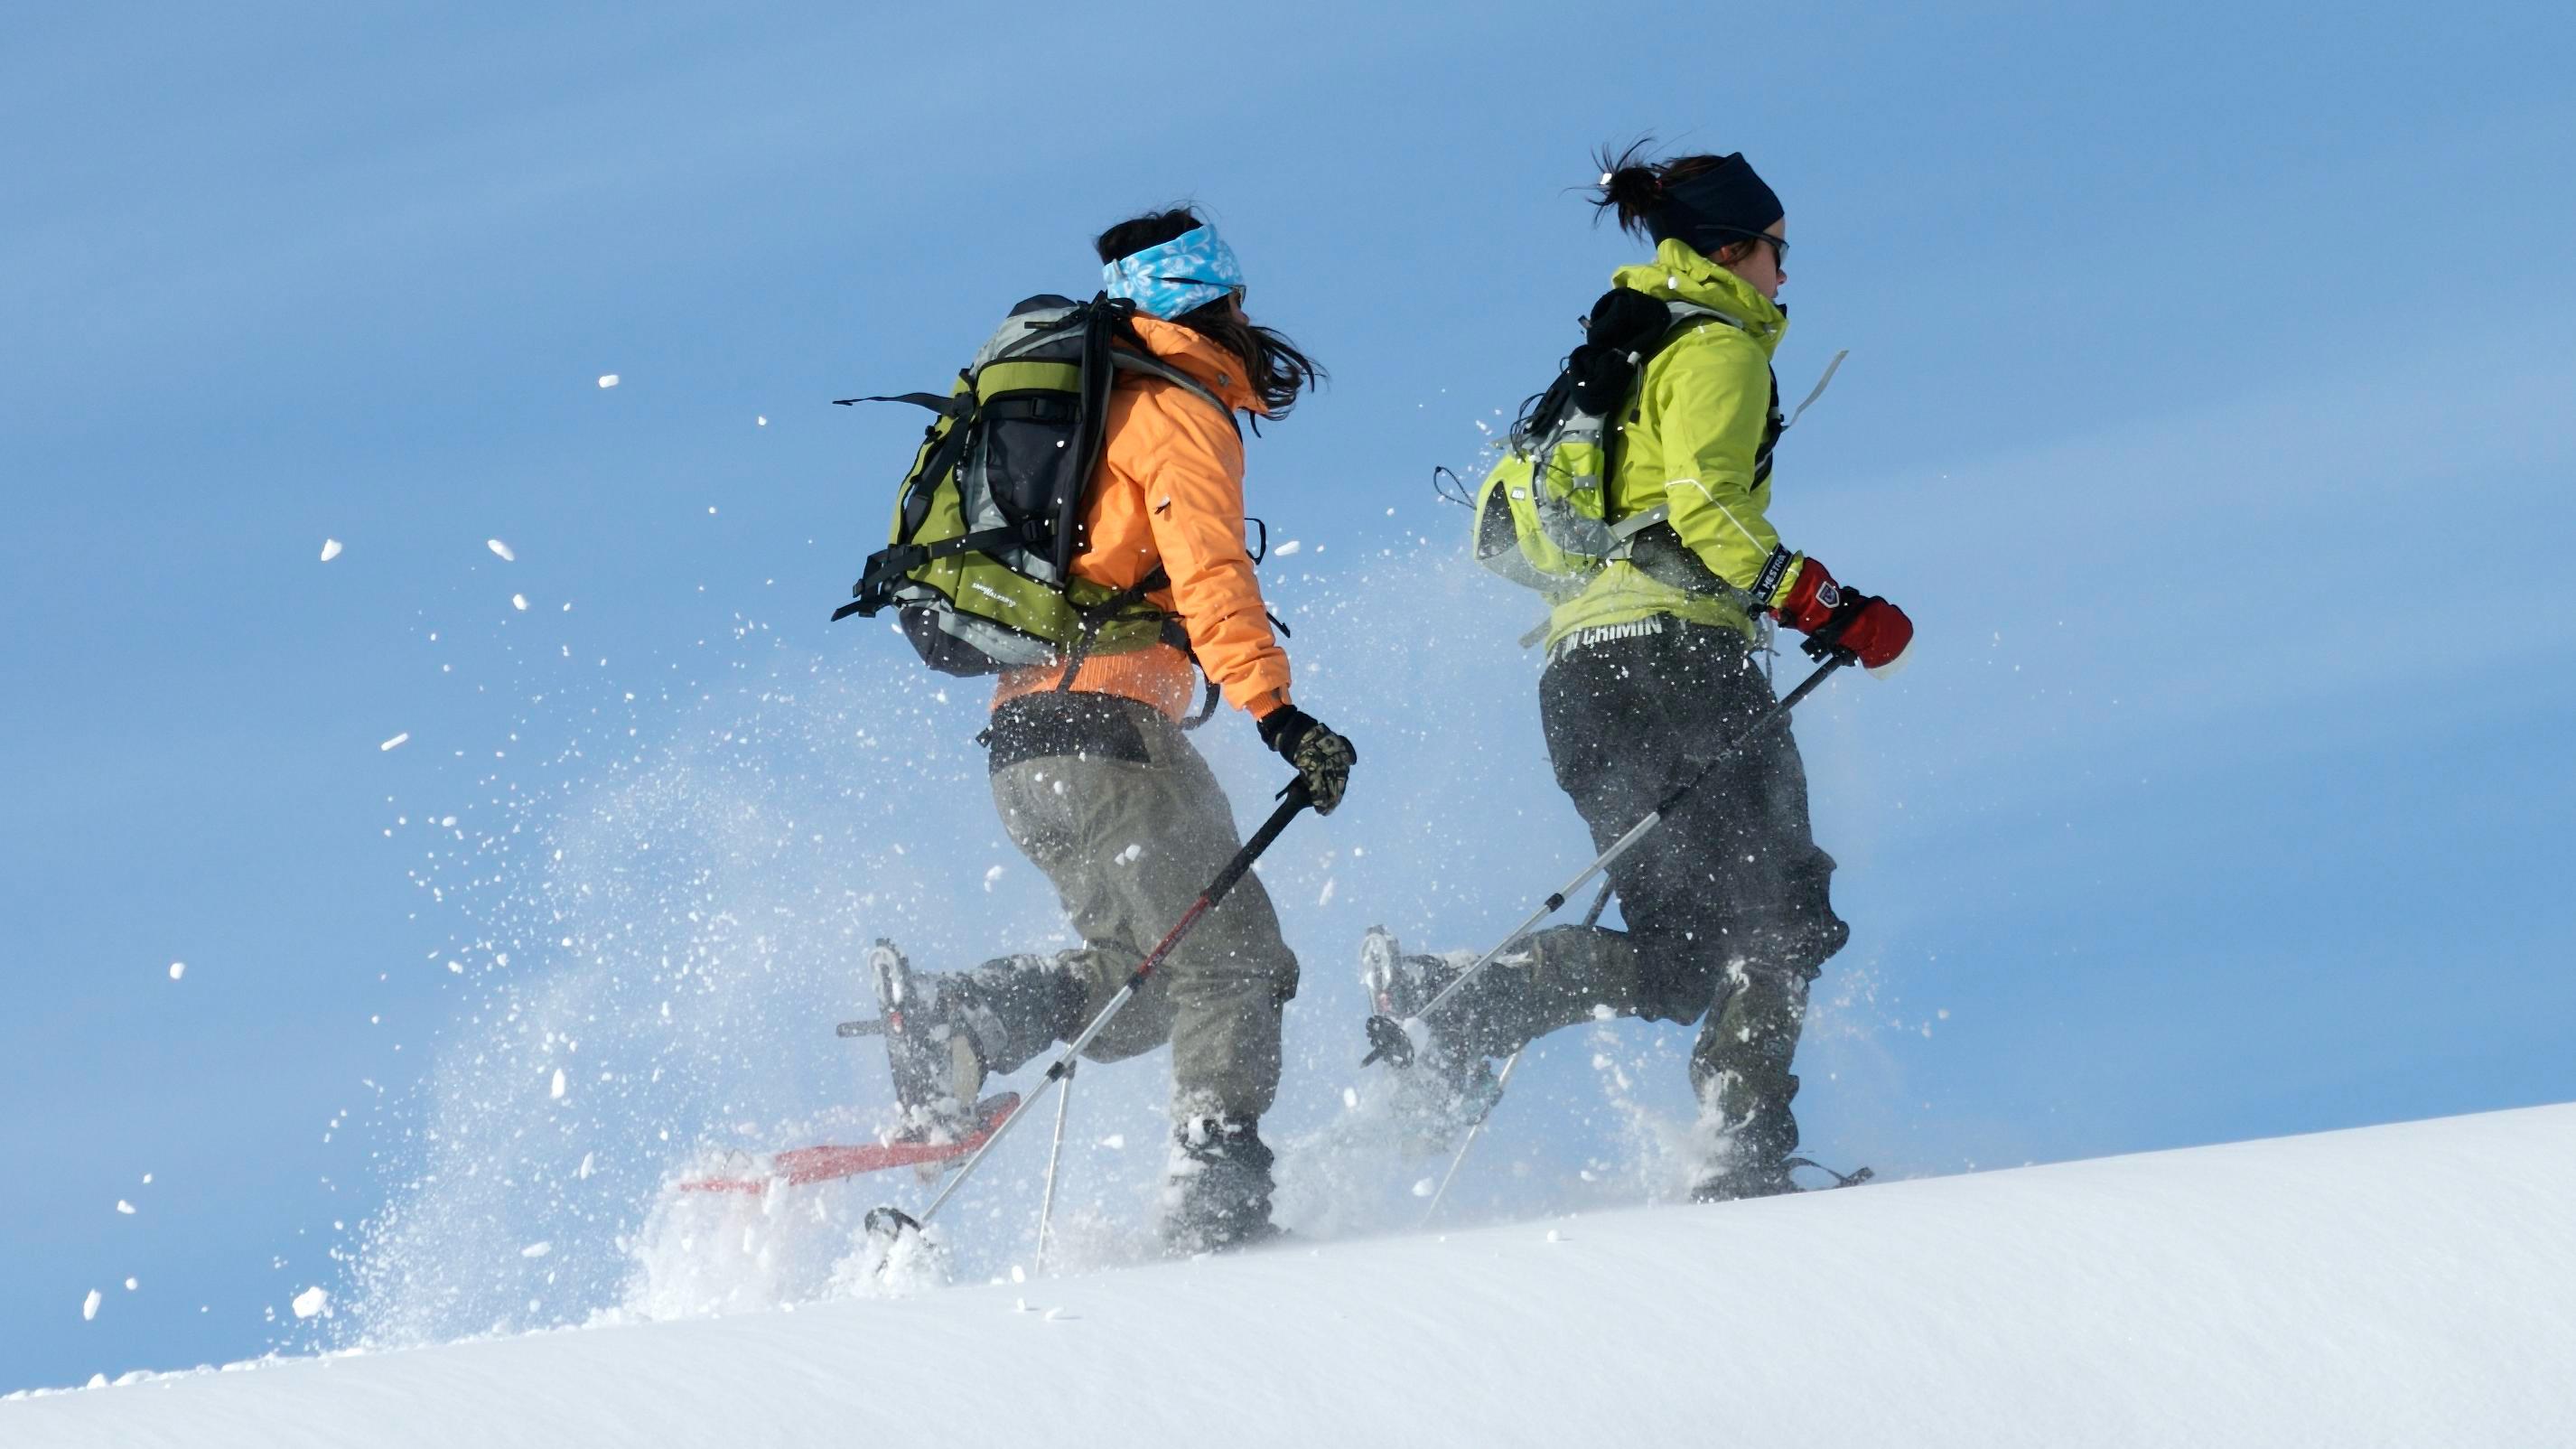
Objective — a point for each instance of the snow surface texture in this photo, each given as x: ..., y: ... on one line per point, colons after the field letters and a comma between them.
x: 2392, y: 1285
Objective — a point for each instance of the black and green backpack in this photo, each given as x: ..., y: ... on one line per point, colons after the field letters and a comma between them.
x: 988, y: 520
x: 1542, y: 516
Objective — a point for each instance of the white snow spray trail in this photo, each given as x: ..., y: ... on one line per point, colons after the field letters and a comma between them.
x: 648, y: 958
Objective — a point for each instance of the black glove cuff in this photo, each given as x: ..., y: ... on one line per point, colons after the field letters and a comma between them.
x: 1284, y: 727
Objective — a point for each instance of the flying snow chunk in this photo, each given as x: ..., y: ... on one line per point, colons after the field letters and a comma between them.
x: 178, y: 969
x: 396, y: 741
x: 764, y: 422
x: 519, y: 602
x: 536, y: 1250
x: 608, y: 379
x: 133, y: 1283
x: 557, y: 1090
x: 311, y: 1301
x: 1290, y: 547
x: 584, y: 1169
x: 89, y: 1306
x: 330, y: 549
x: 125, y: 1207
x: 503, y: 549
x: 991, y: 876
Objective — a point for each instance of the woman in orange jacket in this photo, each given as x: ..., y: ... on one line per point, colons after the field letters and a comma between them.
x: 1097, y: 784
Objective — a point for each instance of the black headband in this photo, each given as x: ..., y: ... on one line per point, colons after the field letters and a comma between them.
x: 1726, y: 203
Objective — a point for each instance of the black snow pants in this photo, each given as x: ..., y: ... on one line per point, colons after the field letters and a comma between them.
x: 1727, y: 904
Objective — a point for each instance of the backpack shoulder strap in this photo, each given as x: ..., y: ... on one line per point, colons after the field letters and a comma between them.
x: 1686, y: 317
x: 1130, y: 360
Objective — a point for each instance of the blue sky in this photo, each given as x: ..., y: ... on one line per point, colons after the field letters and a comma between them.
x: 2207, y: 408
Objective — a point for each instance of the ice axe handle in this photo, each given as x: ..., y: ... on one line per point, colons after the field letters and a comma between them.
x: 873, y: 1026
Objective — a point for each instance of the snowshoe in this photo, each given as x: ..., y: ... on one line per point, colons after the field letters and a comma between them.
x: 826, y: 1162
x: 1768, y: 1177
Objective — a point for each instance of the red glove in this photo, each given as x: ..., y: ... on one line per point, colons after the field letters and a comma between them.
x: 1833, y: 617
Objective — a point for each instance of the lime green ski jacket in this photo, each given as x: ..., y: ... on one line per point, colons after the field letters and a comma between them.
x: 1689, y: 442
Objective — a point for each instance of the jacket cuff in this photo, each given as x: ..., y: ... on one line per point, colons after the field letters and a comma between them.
x: 1779, y: 577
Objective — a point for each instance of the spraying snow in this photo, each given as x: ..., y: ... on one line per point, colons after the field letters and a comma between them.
x: 2412, y: 1283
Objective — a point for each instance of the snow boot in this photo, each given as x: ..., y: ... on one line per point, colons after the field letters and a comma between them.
x: 1742, y: 1180
x: 1448, y: 1088
x: 1217, y: 1189
x: 938, y: 1071
x: 1750, y: 1139
x: 947, y: 1031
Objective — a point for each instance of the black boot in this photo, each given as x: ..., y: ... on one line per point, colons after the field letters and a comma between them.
x: 1216, y: 1193
x: 1753, y: 1139
x: 1449, y: 1087
x: 946, y: 1031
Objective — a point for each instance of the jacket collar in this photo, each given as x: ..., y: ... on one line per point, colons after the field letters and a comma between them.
x: 1216, y: 368
x: 1682, y: 275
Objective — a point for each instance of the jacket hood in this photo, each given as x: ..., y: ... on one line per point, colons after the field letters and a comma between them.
x: 1202, y: 357
x: 1679, y: 273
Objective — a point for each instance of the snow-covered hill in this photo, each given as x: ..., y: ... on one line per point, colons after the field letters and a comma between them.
x: 2411, y: 1285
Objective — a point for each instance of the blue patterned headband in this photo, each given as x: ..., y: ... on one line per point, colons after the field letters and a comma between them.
x: 1185, y: 273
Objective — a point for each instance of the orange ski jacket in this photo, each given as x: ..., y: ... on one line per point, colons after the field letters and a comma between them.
x: 1170, y: 493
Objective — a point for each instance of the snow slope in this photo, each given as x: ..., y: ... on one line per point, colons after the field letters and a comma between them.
x: 2412, y: 1284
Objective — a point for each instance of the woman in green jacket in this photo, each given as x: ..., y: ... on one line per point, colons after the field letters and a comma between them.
x: 1651, y: 668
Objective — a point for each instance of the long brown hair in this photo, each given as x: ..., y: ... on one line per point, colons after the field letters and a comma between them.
x: 1274, y: 366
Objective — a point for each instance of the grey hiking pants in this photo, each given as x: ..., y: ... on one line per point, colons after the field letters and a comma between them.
x: 1727, y: 903
x: 1108, y: 797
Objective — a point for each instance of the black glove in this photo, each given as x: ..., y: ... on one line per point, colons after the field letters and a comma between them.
x: 1323, y: 758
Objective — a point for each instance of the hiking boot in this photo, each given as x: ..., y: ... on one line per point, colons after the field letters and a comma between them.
x: 1750, y: 1138
x: 1447, y: 1089
x: 930, y: 1043
x: 1749, y: 1179
x: 946, y: 1031
x: 1216, y: 1193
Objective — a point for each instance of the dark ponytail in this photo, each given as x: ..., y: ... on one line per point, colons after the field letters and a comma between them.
x: 1273, y: 366
x: 1630, y: 187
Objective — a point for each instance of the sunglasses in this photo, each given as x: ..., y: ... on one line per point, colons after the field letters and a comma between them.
x: 1779, y: 246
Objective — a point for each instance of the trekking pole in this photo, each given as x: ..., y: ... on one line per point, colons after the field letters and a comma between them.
x: 890, y: 1221
x: 1055, y: 1153
x: 1502, y: 1080
x: 1387, y: 1037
